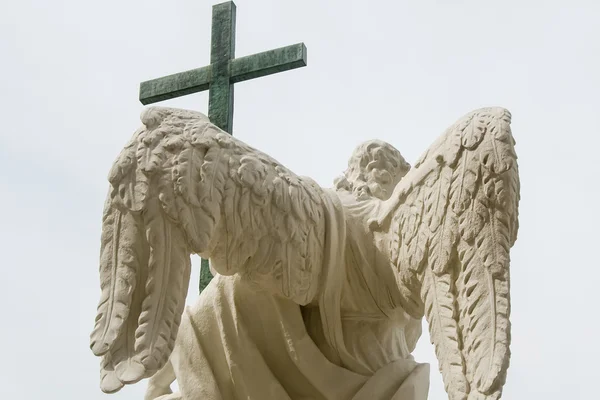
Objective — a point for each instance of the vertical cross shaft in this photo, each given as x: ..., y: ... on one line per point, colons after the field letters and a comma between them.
x: 222, y: 51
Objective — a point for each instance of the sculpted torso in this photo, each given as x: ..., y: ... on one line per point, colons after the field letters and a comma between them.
x: 375, y: 328
x: 319, y: 293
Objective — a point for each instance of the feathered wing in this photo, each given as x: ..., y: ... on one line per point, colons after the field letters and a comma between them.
x: 453, y: 222
x: 182, y: 186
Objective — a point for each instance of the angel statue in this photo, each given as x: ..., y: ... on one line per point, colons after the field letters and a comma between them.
x: 319, y: 293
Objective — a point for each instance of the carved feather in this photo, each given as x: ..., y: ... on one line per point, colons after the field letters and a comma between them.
x: 461, y: 199
x: 122, y: 354
x: 484, y: 252
x: 443, y: 223
x: 184, y: 186
x: 109, y: 382
x: 440, y: 312
x: 129, y: 186
x: 168, y: 277
x: 120, y: 258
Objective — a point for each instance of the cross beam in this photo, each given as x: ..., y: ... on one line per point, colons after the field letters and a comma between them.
x: 242, y: 69
x: 218, y: 78
x: 224, y: 70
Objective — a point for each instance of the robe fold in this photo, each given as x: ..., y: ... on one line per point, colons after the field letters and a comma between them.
x: 238, y: 342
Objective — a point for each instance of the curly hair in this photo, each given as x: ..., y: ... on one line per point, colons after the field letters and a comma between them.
x: 374, y: 169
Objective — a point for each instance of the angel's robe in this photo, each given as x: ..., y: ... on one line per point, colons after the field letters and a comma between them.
x: 352, y: 342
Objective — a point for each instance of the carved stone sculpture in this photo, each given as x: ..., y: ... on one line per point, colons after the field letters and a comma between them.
x: 319, y: 293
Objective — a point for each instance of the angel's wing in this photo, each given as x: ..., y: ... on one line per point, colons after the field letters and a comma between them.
x: 183, y: 186
x: 453, y: 222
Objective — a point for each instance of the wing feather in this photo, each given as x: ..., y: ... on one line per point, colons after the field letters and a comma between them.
x: 120, y: 257
x: 454, y: 220
x: 183, y: 186
x: 443, y: 328
x: 109, y: 382
x: 168, y: 278
x: 122, y: 353
x: 129, y: 186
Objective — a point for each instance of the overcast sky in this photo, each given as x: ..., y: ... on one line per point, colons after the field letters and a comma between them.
x: 401, y: 71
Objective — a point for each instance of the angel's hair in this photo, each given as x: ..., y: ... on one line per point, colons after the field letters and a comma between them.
x: 374, y: 169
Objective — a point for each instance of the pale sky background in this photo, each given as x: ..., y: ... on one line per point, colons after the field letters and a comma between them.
x: 401, y: 71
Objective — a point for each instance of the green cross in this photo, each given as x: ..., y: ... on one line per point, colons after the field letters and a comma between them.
x: 224, y: 70
x: 218, y: 78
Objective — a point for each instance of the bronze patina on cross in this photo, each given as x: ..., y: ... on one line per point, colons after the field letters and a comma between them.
x: 218, y: 78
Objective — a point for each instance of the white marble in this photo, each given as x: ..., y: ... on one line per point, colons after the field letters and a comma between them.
x: 319, y: 293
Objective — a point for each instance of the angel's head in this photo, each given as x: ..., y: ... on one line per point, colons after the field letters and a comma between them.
x: 374, y: 170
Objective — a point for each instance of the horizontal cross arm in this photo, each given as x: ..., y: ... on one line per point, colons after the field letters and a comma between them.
x: 240, y: 69
x: 268, y: 62
x: 176, y: 85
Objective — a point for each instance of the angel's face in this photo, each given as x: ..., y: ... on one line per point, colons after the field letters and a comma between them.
x: 385, y: 170
x: 375, y: 169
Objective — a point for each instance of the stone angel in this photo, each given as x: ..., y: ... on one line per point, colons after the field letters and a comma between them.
x: 319, y: 293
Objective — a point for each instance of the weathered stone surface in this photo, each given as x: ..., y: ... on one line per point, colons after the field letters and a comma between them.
x: 319, y: 293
